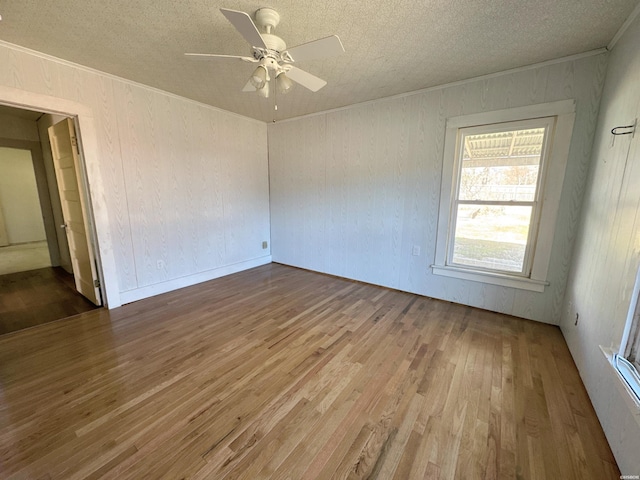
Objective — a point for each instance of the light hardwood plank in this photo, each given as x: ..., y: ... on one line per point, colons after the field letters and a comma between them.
x: 277, y: 372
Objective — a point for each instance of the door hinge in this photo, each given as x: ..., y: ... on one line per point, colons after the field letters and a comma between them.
x: 74, y: 142
x: 96, y: 283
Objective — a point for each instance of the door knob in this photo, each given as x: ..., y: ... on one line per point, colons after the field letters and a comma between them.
x: 64, y: 225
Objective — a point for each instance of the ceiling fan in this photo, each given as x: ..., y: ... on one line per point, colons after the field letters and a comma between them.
x: 271, y: 54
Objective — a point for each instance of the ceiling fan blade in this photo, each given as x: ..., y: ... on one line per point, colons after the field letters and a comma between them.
x: 213, y: 55
x: 243, y: 23
x: 249, y: 87
x: 305, y: 79
x: 322, y: 48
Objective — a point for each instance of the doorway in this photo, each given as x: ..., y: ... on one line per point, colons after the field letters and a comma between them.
x: 23, y: 242
x: 40, y: 285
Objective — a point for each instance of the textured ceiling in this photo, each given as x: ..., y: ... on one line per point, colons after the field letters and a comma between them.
x: 392, y: 46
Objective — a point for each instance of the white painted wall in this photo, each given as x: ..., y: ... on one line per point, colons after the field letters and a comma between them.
x: 353, y: 190
x: 184, y: 184
x: 607, y: 253
x: 13, y: 128
x: 17, y: 128
x: 19, y: 197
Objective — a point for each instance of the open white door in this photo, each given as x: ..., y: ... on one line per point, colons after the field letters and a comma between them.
x: 64, y: 148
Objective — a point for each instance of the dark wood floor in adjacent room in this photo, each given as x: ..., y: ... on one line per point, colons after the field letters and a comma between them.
x: 38, y: 296
x: 281, y: 373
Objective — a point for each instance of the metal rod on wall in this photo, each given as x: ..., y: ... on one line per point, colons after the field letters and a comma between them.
x: 614, y: 131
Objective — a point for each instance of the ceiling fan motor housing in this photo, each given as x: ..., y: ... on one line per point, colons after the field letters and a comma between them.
x: 267, y: 18
x: 273, y: 42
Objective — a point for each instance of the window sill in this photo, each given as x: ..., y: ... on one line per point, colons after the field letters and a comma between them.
x: 501, y: 279
x: 629, y: 396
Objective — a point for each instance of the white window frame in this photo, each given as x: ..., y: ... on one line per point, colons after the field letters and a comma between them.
x: 535, y: 278
x: 627, y: 360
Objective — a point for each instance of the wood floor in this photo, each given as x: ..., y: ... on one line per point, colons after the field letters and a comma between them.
x: 282, y: 373
x: 38, y: 296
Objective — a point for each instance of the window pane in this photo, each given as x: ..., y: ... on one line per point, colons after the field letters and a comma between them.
x: 492, y: 236
x: 501, y: 166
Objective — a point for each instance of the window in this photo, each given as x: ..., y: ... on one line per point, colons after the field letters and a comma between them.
x: 627, y: 361
x: 502, y: 179
x: 499, y: 173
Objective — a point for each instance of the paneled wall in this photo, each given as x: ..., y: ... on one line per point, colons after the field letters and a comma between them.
x: 607, y: 253
x: 352, y: 191
x: 186, y: 185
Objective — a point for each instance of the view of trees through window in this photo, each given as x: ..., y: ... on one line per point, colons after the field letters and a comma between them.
x: 496, y: 198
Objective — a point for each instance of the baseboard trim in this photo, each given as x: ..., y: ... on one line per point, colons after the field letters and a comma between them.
x: 182, y: 282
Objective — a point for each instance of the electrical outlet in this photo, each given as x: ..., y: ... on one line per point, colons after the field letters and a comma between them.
x: 265, y: 245
x: 415, y: 251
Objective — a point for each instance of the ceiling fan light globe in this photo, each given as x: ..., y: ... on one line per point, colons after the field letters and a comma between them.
x: 259, y: 77
x: 283, y: 83
x: 264, y: 91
